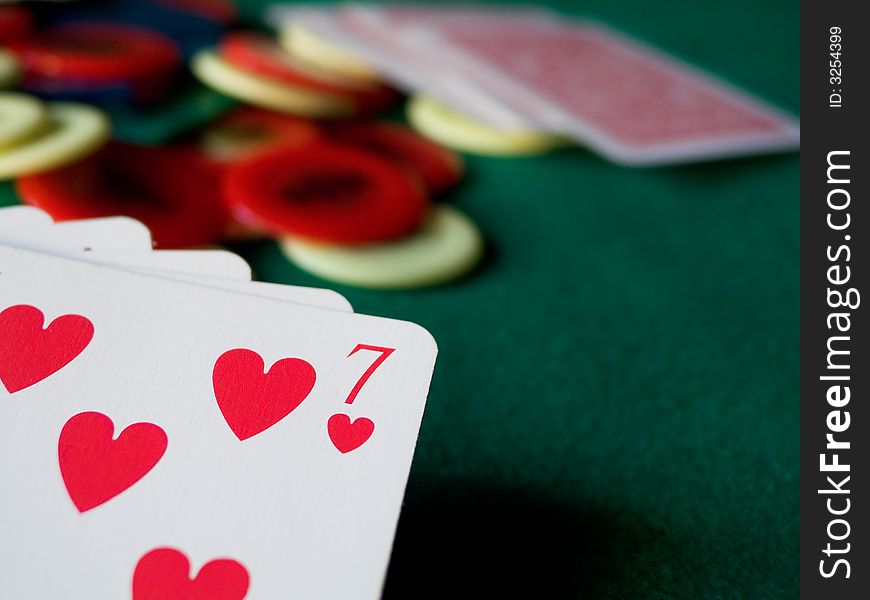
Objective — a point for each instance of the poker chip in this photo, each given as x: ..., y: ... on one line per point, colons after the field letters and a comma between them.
x: 265, y: 92
x: 247, y: 130
x: 97, y: 52
x: 259, y: 54
x: 319, y: 52
x: 446, y: 246
x: 454, y: 130
x: 10, y: 69
x: 437, y: 167
x: 173, y: 190
x: 15, y: 23
x: 21, y: 117
x: 75, y: 131
x: 324, y: 192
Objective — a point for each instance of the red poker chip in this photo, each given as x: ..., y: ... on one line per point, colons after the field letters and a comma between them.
x: 256, y: 129
x: 324, y: 192
x: 173, y: 190
x: 437, y: 167
x: 98, y: 52
x: 259, y: 54
x: 15, y: 23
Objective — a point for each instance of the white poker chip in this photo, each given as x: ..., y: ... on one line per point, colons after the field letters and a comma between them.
x: 454, y: 130
x: 260, y: 91
x: 446, y: 246
x: 21, y: 117
x: 75, y: 131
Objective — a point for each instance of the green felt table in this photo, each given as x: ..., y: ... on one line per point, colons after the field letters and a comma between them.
x: 614, y: 411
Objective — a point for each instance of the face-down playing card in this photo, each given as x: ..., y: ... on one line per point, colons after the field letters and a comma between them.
x: 169, y: 441
x: 629, y: 101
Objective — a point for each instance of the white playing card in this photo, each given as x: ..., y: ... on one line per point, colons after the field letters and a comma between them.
x: 122, y: 233
x: 99, y: 240
x: 142, y: 433
x: 318, y: 297
x: 24, y: 216
x: 213, y: 263
x: 110, y: 233
x: 212, y: 268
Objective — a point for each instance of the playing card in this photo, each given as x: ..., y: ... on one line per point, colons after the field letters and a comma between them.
x: 104, y: 240
x: 94, y: 236
x: 213, y: 263
x: 417, y: 28
x: 22, y: 216
x: 218, y: 269
x: 212, y: 268
x: 109, y: 233
x: 168, y: 441
x: 318, y: 297
x: 628, y: 101
x: 216, y: 263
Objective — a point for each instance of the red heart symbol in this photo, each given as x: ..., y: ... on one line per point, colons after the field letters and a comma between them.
x: 163, y: 574
x: 95, y: 468
x: 347, y: 435
x: 251, y: 400
x: 29, y: 353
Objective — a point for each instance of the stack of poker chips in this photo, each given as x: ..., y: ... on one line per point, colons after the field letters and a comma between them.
x: 302, y: 157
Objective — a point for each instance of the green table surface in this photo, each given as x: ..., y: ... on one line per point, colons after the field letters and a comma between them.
x: 614, y: 411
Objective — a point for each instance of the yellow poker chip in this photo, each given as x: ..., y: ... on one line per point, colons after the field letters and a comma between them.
x: 446, y: 246
x: 260, y: 91
x: 328, y: 56
x: 454, y: 130
x: 21, y: 117
x: 10, y: 69
x: 75, y: 131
